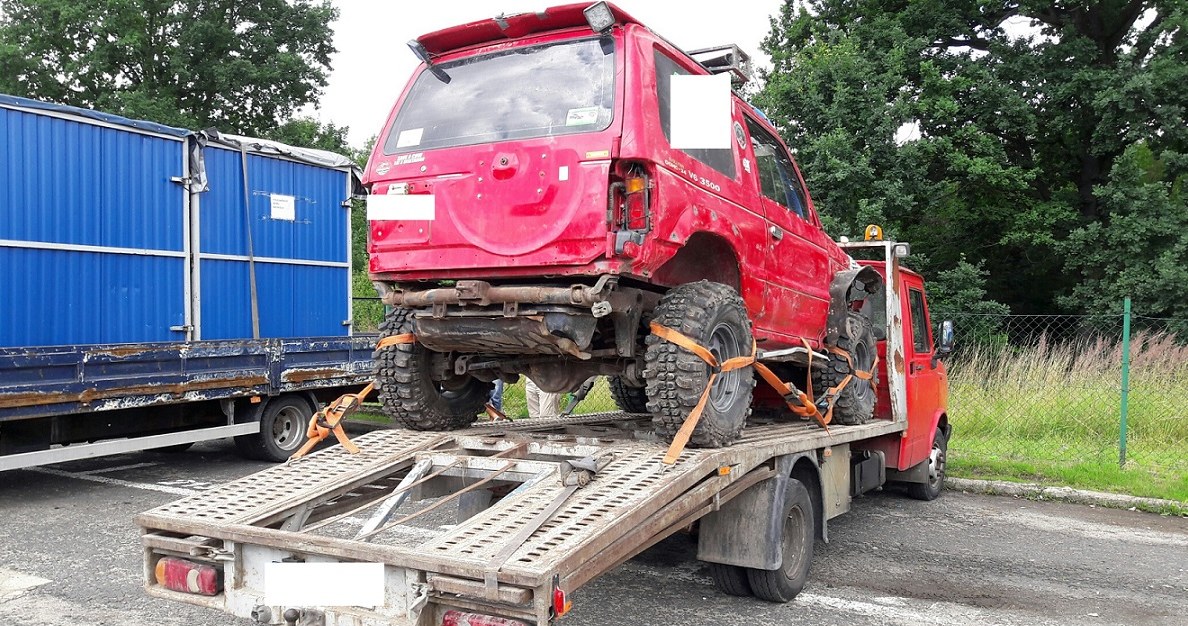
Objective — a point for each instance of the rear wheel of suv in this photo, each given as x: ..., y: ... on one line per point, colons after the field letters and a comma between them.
x: 855, y: 403
x: 713, y: 315
x: 628, y: 398
x: 410, y: 396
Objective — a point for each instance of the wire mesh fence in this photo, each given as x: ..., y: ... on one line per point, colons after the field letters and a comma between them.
x: 1045, y: 394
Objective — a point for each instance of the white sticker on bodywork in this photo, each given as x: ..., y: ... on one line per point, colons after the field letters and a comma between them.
x: 582, y: 116
x: 410, y: 137
x: 401, y: 207
x: 563, y: 172
x: 324, y: 584
x: 283, y: 207
x: 700, y: 112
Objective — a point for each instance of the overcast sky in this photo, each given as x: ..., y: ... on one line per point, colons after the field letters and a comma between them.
x: 373, y: 63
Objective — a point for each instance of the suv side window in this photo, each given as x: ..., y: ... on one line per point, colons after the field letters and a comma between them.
x: 719, y: 159
x: 777, y: 176
x: 920, y: 339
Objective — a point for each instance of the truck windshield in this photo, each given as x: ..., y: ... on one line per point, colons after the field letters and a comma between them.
x: 539, y: 91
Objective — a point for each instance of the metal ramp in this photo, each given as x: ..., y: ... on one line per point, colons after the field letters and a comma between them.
x: 549, y: 520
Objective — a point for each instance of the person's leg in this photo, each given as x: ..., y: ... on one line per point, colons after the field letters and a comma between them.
x: 497, y: 395
x: 532, y: 395
x: 550, y: 404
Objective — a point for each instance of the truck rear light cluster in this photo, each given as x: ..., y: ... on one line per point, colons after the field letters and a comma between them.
x: 458, y: 618
x: 188, y: 577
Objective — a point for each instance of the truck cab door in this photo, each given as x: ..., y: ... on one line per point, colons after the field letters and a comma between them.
x: 797, y: 264
x: 926, y: 378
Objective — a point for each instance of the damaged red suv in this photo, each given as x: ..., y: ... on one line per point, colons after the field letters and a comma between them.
x: 529, y: 215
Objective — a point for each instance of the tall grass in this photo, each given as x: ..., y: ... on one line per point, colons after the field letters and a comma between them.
x: 1050, y: 412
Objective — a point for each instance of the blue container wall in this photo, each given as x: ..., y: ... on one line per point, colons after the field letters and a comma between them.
x: 104, y: 199
x: 294, y: 299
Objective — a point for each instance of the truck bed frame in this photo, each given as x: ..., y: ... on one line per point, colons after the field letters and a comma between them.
x: 559, y: 523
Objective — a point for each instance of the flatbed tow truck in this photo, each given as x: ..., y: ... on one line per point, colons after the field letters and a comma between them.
x: 545, y: 506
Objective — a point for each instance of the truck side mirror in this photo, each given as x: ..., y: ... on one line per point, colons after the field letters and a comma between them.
x: 946, y: 342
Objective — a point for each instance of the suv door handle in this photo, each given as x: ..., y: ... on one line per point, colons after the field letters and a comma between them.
x: 776, y: 233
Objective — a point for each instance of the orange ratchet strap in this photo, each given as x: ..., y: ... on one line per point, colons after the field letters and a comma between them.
x: 802, y: 405
x: 328, y: 421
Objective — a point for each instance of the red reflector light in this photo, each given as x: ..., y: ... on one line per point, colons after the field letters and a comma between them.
x: 188, y: 577
x: 637, y: 212
x: 561, y: 604
x: 458, y: 618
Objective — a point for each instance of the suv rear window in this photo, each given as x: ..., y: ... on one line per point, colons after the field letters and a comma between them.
x: 538, y: 91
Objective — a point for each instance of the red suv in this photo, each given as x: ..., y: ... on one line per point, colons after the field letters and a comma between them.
x: 529, y: 216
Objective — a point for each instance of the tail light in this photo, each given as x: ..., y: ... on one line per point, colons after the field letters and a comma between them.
x: 635, y: 203
x: 458, y: 618
x: 188, y: 577
x: 630, y: 210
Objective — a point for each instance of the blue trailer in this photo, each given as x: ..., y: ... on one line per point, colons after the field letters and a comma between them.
x: 160, y: 286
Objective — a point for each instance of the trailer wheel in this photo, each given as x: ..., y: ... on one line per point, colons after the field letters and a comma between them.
x: 855, y: 403
x: 410, y: 396
x: 730, y: 579
x: 283, y: 423
x: 931, y: 490
x: 713, y: 315
x: 628, y: 398
x: 783, y: 584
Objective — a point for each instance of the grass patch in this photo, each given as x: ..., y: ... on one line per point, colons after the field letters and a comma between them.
x: 1049, y: 413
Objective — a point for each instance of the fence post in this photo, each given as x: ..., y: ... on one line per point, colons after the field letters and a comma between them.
x: 1125, y: 382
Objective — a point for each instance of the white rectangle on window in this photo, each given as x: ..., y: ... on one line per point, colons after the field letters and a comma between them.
x: 283, y: 207
x: 401, y: 207
x: 324, y: 584
x: 700, y: 112
x: 410, y: 137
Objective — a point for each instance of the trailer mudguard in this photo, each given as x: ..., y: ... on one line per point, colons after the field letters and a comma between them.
x: 848, y: 286
x: 748, y: 530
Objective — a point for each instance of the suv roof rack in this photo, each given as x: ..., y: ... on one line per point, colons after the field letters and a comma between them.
x: 722, y: 59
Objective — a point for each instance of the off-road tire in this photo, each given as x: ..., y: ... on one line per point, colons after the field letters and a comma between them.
x: 628, y: 398
x: 407, y: 393
x: 283, y: 423
x: 937, y: 458
x: 855, y: 404
x: 785, y: 583
x: 713, y: 315
x: 730, y: 579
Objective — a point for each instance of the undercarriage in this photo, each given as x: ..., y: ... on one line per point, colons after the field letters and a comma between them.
x: 558, y: 335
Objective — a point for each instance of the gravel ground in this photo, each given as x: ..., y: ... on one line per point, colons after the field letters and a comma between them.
x: 69, y: 556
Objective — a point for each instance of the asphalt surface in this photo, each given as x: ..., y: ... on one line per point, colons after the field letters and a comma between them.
x: 70, y: 556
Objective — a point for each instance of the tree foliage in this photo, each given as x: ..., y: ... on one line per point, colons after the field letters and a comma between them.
x: 240, y: 66
x: 1027, y: 124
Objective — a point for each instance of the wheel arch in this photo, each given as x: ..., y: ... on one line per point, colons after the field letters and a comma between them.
x: 848, y: 286
x: 705, y: 256
x: 748, y: 530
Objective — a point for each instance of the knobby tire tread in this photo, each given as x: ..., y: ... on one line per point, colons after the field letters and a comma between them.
x: 407, y: 395
x: 628, y: 398
x: 676, y: 377
x: 856, y: 402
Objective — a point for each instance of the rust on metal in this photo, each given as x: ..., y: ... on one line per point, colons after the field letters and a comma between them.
x: 87, y: 396
x: 897, y: 361
x: 305, y: 375
x: 119, y: 351
x: 482, y: 293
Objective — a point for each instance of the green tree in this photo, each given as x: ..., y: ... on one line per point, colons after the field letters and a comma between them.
x: 308, y: 132
x: 1014, y: 137
x: 240, y: 66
